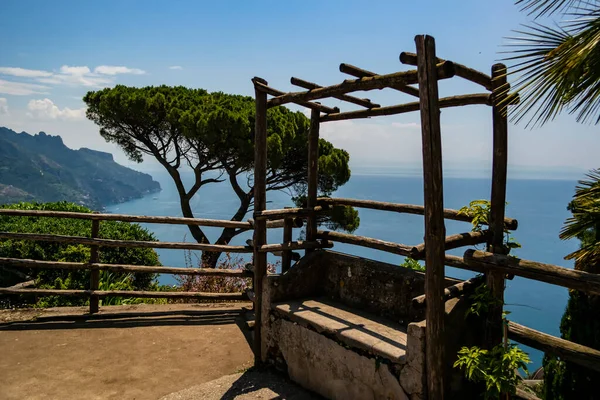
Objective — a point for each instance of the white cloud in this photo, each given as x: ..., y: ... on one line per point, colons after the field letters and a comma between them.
x: 23, y: 72
x: 114, y: 70
x: 3, y: 106
x: 21, y: 89
x: 65, y: 69
x: 46, y: 109
x: 179, y: 67
x: 409, y: 125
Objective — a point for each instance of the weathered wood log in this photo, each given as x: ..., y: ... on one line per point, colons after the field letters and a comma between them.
x: 581, y: 355
x: 294, y: 245
x: 274, y: 92
x: 361, y: 73
x: 313, y: 177
x: 260, y: 226
x: 286, y: 256
x: 525, y: 395
x: 495, y: 244
x: 445, y: 102
x: 390, y: 247
x: 22, y: 285
x: 435, y: 230
x: 464, y: 72
x: 449, y: 213
x: 288, y: 212
x: 127, y: 293
x: 280, y: 223
x: 94, y: 274
x: 566, y: 277
x: 453, y: 242
x: 27, y: 263
x: 344, y: 97
x: 129, y: 218
x: 125, y: 243
x: 445, y: 70
x: 451, y: 292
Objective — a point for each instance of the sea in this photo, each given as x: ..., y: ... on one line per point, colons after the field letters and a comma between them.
x: 539, y: 205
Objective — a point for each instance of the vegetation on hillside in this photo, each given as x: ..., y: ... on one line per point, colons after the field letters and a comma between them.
x: 48, y: 251
x: 581, y: 321
x: 41, y: 168
x: 212, y: 134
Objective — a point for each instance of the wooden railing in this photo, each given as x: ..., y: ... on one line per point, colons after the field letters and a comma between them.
x: 483, y: 262
x: 472, y: 260
x: 288, y: 222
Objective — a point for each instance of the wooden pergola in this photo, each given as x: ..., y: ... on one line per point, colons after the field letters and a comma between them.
x: 429, y: 70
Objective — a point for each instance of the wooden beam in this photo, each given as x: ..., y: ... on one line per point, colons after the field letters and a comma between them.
x: 28, y: 263
x: 260, y: 226
x: 390, y: 247
x: 286, y: 256
x: 445, y: 70
x: 495, y: 280
x: 585, y: 356
x: 453, y: 242
x: 566, y: 277
x: 127, y: 293
x: 313, y: 106
x: 288, y: 212
x: 451, y: 292
x: 128, y: 218
x: 94, y: 274
x: 313, y: 177
x: 344, y: 97
x: 464, y: 72
x: 435, y: 230
x: 361, y: 73
x: 125, y: 243
x: 445, y: 102
x: 449, y: 213
x: 294, y: 245
x: 280, y: 223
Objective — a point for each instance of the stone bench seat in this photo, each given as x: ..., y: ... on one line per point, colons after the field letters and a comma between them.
x: 355, y: 328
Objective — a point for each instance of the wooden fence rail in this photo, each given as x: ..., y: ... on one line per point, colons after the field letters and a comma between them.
x: 27, y: 263
x: 288, y: 221
x: 566, y: 350
x: 510, y: 223
x: 146, y: 219
x: 127, y: 293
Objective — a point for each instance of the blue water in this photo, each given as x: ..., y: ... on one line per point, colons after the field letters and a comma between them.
x: 538, y: 205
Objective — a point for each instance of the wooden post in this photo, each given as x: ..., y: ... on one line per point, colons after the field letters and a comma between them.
x: 495, y: 280
x: 435, y: 231
x: 260, y: 203
x: 94, y: 273
x: 286, y: 256
x: 313, y: 175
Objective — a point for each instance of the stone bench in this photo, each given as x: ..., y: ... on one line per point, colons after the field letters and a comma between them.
x: 357, y: 329
x: 345, y: 327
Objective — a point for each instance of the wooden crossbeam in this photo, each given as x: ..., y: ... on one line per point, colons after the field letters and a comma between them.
x: 463, y: 71
x: 351, y: 99
x: 443, y: 71
x: 361, y: 73
x: 444, y: 102
x: 454, y: 241
x: 261, y: 84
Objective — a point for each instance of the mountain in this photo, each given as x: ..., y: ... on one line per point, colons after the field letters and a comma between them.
x: 41, y: 168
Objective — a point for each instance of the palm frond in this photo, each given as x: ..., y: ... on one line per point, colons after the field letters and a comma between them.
x: 585, y: 220
x: 559, y: 69
x: 540, y: 8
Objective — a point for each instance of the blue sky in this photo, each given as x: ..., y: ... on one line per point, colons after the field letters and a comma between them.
x: 54, y: 52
